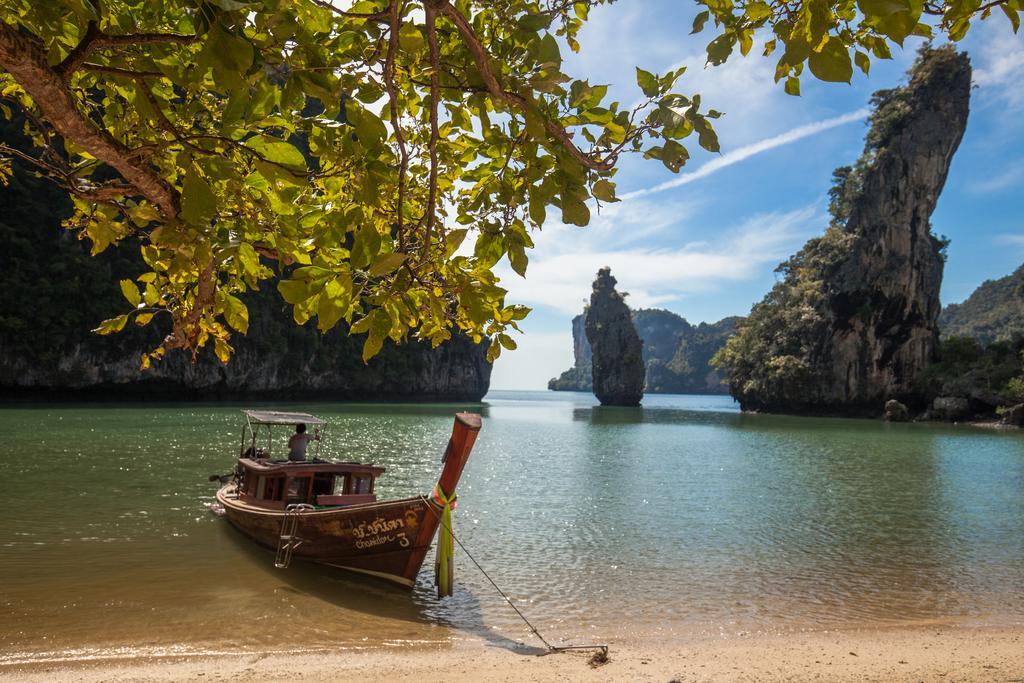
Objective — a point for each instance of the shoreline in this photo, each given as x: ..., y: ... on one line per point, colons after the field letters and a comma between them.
x: 918, y: 653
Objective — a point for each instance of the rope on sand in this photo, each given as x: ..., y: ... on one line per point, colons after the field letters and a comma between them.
x: 550, y: 648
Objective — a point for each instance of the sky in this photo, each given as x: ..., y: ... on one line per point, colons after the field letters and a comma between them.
x: 704, y: 243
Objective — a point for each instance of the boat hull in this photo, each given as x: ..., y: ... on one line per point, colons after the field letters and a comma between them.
x: 387, y: 539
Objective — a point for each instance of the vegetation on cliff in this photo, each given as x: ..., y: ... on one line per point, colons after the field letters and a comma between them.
x: 993, y: 312
x: 853, y: 318
x: 981, y: 356
x: 988, y: 376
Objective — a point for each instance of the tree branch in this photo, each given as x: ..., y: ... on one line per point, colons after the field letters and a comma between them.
x: 481, y: 57
x: 435, y: 95
x: 26, y: 60
x: 117, y: 71
x: 95, y: 39
x: 369, y: 16
x: 105, y: 194
x: 395, y: 10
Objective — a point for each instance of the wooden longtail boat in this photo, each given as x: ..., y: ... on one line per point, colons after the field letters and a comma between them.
x: 327, y: 512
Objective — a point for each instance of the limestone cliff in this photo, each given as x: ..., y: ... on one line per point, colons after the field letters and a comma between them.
x: 854, y: 319
x: 676, y: 354
x: 52, y: 292
x: 617, y: 361
x: 580, y: 377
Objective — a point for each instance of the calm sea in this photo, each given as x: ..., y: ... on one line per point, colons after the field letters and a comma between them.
x: 677, y: 519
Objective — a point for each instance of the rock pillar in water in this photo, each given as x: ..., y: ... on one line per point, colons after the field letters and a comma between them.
x: 618, y: 364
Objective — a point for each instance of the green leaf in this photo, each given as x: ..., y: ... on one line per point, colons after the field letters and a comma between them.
x: 895, y: 19
x: 334, y: 302
x: 293, y: 291
x: 453, y: 240
x: 232, y: 52
x: 548, y: 52
x: 236, y: 313
x: 534, y: 22
x: 370, y: 130
x: 507, y: 342
x: 410, y: 39
x: 112, y: 325
x: 198, y: 203
x: 699, y: 21
x: 575, y: 212
x: 673, y: 155
x: 604, y: 190
x: 538, y: 212
x: 230, y: 5
x: 706, y: 136
x: 131, y: 292
x: 222, y: 350
x: 1013, y: 15
x: 493, y: 351
x: 756, y: 11
x: 249, y: 259
x: 647, y: 81
x: 386, y: 263
x: 863, y: 61
x: 832, y: 63
x: 517, y: 258
x: 792, y: 86
x: 720, y: 48
x: 379, y: 324
x: 365, y: 246
x: 278, y: 152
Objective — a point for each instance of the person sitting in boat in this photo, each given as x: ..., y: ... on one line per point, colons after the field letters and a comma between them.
x: 298, y: 442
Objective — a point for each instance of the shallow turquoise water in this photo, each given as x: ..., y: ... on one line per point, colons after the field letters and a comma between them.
x: 683, y: 517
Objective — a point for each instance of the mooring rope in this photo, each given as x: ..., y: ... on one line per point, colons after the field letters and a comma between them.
x: 508, y: 600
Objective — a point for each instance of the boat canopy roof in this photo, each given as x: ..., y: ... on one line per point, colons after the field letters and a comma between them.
x: 276, y: 417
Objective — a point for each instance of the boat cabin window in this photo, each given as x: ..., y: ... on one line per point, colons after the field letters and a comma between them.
x: 323, y: 485
x: 361, y: 483
x: 270, y: 488
x: 298, y: 490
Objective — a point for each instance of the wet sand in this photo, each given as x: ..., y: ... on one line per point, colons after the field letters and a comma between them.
x: 900, y: 654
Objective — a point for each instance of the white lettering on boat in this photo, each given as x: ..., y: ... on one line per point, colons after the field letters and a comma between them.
x: 378, y: 532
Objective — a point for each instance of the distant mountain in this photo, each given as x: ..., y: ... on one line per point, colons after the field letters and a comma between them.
x: 676, y: 354
x: 993, y: 312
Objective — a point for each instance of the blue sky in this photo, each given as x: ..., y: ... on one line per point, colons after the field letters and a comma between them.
x: 706, y: 246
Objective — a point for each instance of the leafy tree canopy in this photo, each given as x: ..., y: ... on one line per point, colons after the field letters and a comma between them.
x: 349, y: 149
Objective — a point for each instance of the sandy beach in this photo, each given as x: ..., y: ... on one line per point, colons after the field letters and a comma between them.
x: 902, y: 654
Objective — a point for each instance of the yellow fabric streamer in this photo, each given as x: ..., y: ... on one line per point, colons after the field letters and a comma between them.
x: 444, y: 566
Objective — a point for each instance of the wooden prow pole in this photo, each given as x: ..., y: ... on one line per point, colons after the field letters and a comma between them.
x: 467, y: 426
x: 464, y: 433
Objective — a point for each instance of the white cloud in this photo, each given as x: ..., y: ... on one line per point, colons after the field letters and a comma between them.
x: 560, y: 274
x: 540, y: 357
x: 1010, y: 176
x: 747, y: 151
x: 1010, y: 240
x: 999, y: 64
